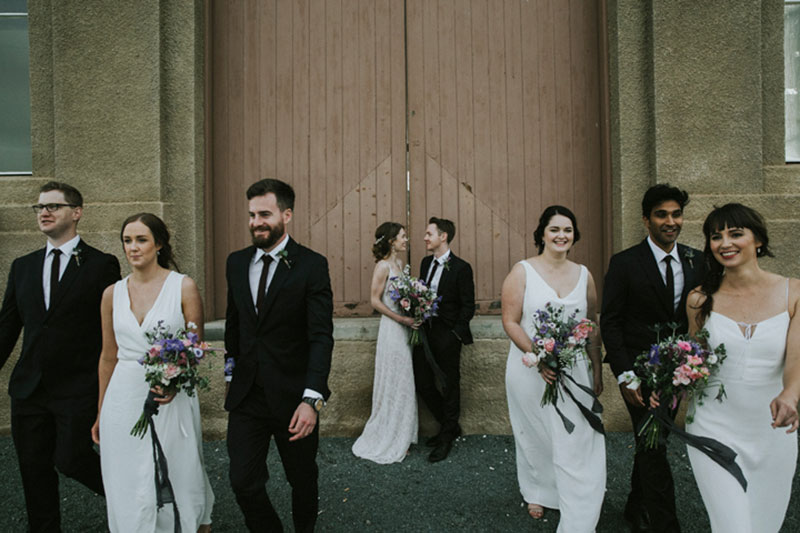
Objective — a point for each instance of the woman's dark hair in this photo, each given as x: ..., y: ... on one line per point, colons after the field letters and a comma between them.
x: 658, y: 194
x: 384, y: 237
x: 728, y: 216
x: 544, y: 220
x: 160, y: 236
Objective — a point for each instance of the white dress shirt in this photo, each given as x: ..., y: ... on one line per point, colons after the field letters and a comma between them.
x: 437, y: 276
x: 256, y: 265
x: 66, y: 254
x: 677, y: 269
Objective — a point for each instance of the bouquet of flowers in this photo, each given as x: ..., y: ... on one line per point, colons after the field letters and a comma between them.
x: 557, y: 343
x: 416, y: 299
x: 675, y: 368
x: 171, y: 364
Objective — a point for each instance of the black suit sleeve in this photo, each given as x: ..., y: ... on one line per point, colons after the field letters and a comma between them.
x: 319, y: 316
x: 612, y: 316
x: 466, y: 295
x: 231, y: 316
x: 111, y: 272
x: 10, y: 319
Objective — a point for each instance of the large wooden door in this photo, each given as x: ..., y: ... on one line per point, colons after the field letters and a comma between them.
x: 504, y: 120
x: 502, y: 113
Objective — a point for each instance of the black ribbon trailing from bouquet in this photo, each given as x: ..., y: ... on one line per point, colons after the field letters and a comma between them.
x: 164, y: 492
x: 589, y: 414
x: 438, y: 372
x: 715, y: 450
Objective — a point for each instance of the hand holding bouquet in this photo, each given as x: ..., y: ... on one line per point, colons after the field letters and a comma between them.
x: 171, y: 365
x: 558, y: 341
x: 675, y: 368
x: 415, y: 299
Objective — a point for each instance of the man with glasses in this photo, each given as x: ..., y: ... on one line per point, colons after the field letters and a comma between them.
x: 54, y: 294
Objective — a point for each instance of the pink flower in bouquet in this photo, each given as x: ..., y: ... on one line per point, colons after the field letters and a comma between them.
x: 549, y: 344
x: 405, y: 303
x: 529, y: 360
x: 187, y: 342
x: 685, y: 346
x: 171, y: 371
x: 582, y: 330
x: 694, y: 360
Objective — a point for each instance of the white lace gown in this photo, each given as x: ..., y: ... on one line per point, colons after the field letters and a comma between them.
x: 555, y: 469
x: 392, y: 426
x: 127, y: 461
x: 752, y: 375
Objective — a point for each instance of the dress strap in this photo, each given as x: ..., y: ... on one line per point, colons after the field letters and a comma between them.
x: 787, y: 294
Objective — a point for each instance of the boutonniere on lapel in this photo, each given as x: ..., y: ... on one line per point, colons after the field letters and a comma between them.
x: 77, y: 253
x: 447, y: 263
x: 688, y: 254
x: 284, y: 255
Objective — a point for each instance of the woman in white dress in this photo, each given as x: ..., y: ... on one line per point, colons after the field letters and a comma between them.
x: 754, y: 314
x: 129, y: 309
x: 555, y: 469
x: 392, y: 426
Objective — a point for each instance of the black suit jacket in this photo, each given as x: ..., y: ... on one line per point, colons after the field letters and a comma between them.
x: 457, y: 289
x: 61, y: 345
x: 634, y: 300
x: 289, y: 344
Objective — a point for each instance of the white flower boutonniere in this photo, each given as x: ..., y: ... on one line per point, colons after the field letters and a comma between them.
x: 77, y: 253
x: 688, y: 254
x: 284, y: 255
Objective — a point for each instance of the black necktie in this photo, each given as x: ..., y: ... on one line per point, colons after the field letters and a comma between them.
x: 55, y: 268
x: 670, y: 283
x: 432, y: 272
x: 262, y: 282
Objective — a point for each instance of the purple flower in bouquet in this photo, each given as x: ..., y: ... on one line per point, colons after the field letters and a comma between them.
x: 171, y: 363
x: 414, y: 298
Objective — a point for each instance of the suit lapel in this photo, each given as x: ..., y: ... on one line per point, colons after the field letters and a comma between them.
x: 243, y: 272
x: 650, y: 268
x: 38, y: 287
x: 278, y: 279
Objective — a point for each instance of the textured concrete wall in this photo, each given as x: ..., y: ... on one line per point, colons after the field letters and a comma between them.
x: 117, y: 111
x: 483, y: 393
x: 697, y: 101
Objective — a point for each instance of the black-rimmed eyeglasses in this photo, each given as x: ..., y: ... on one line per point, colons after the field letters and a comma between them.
x: 51, y: 208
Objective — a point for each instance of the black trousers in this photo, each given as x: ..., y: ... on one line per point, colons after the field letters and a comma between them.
x: 250, y: 427
x: 52, y: 434
x: 652, y: 487
x: 445, y: 405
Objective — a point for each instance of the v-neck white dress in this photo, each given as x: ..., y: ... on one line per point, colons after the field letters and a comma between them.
x: 127, y: 461
x: 555, y: 469
x: 753, y: 376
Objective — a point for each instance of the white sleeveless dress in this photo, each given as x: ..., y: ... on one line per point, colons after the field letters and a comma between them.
x: 555, y: 469
x: 127, y: 461
x: 392, y: 426
x: 753, y: 376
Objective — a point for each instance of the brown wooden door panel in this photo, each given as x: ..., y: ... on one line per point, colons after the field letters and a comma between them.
x: 504, y: 113
x: 311, y: 92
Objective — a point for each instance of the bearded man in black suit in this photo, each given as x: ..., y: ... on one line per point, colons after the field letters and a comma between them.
x: 54, y: 293
x: 279, y: 333
x: 646, y: 286
x: 451, y: 278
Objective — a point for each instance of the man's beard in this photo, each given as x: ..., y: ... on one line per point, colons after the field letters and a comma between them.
x: 275, y: 234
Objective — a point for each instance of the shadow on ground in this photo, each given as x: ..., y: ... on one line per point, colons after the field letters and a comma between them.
x: 475, y: 489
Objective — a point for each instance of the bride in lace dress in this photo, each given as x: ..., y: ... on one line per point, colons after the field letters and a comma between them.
x: 129, y: 309
x: 392, y: 426
x: 754, y: 314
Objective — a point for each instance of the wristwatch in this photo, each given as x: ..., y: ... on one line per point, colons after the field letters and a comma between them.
x: 316, y: 403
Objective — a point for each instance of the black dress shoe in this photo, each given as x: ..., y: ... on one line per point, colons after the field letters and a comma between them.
x: 440, y: 452
x: 434, y: 441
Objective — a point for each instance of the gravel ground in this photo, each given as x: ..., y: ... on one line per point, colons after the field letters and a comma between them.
x: 475, y: 489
